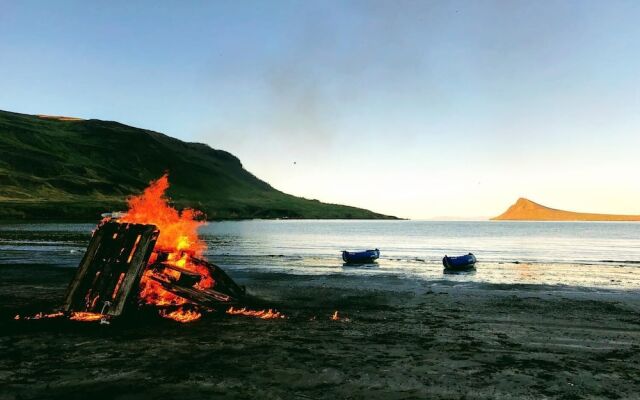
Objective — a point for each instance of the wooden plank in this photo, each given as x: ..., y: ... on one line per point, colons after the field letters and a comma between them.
x: 202, y: 297
x: 89, y: 255
x: 137, y: 261
x: 223, y: 283
x: 101, y: 271
x: 111, y: 268
x: 187, y: 278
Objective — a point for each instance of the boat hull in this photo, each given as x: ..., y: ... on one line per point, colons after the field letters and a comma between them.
x: 360, y: 257
x: 462, y: 263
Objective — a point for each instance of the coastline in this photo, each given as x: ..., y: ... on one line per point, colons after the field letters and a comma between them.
x: 398, y: 338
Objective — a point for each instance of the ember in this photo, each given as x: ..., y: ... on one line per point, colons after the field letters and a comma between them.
x: 40, y: 315
x: 263, y: 314
x: 86, y: 316
x: 337, y: 317
x: 181, y: 315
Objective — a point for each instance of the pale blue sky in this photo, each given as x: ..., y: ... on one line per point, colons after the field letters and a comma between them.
x: 413, y: 108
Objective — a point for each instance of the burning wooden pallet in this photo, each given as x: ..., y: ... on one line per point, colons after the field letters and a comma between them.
x: 120, y: 255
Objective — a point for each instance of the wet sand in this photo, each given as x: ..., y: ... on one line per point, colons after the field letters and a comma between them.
x: 398, y: 339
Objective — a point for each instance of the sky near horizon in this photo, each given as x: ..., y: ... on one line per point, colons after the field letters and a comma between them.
x: 419, y: 109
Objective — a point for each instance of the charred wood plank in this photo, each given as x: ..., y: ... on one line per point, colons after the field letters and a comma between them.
x: 209, y: 298
x: 138, y: 259
x: 223, y: 282
x: 111, y: 268
x: 186, y: 277
x: 85, y: 263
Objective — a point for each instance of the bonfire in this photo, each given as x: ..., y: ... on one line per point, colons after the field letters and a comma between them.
x: 151, y: 256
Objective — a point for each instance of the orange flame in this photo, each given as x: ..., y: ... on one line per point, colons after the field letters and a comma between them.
x: 181, y: 315
x: 178, y: 237
x: 178, y: 230
x: 75, y: 316
x: 263, y: 314
x: 335, y: 316
x: 86, y: 316
x: 40, y: 315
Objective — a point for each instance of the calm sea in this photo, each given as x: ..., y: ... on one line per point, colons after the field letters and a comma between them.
x: 565, y: 253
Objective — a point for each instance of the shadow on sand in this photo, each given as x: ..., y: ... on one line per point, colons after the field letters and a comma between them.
x: 372, y: 264
x: 470, y: 271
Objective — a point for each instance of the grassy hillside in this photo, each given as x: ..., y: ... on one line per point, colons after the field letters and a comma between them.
x: 54, y: 168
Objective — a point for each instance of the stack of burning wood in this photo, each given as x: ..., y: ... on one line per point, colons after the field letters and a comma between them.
x: 121, y: 269
x: 151, y: 255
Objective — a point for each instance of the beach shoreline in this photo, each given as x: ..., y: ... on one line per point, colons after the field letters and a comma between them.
x: 398, y: 338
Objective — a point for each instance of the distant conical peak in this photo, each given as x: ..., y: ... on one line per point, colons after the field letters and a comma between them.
x: 524, y: 201
x: 528, y: 204
x: 526, y: 210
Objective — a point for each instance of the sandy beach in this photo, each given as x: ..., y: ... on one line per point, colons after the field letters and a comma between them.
x: 319, y: 200
x: 398, y: 338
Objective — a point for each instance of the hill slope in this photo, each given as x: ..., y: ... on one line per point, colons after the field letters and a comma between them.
x: 65, y: 168
x: 528, y: 210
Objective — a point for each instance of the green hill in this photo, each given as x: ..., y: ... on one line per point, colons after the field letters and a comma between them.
x: 63, y: 168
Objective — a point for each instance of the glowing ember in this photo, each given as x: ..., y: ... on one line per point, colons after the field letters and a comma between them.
x: 181, y: 315
x: 85, y: 316
x: 335, y: 316
x: 40, y: 315
x: 75, y: 316
x: 263, y: 314
x: 178, y: 238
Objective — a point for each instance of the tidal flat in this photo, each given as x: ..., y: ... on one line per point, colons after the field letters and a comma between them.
x: 397, y: 338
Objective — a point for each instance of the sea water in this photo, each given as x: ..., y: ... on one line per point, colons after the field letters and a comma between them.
x: 586, y: 254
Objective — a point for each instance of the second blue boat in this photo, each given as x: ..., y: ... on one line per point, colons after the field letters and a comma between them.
x: 461, y: 263
x: 360, y: 257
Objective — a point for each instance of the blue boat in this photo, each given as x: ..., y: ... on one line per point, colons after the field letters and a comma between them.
x: 461, y: 263
x: 360, y: 257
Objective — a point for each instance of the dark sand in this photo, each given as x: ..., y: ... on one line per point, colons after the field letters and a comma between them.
x: 405, y: 339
